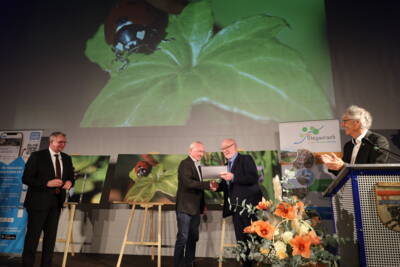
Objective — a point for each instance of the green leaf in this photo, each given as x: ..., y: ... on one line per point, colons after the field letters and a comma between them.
x: 81, y: 186
x: 242, y: 69
x: 82, y: 162
x: 159, y: 180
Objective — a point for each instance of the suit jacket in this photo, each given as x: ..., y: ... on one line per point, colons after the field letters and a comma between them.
x: 244, y: 186
x: 190, y: 194
x: 367, y: 154
x: 38, y: 171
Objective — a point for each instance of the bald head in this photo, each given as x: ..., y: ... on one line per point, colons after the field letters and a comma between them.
x: 229, y: 147
x: 196, y: 150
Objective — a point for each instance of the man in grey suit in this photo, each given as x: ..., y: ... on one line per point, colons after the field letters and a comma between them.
x: 189, y: 205
x: 48, y: 174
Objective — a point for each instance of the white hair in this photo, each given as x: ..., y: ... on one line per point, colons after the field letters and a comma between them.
x: 358, y: 113
x: 193, y: 144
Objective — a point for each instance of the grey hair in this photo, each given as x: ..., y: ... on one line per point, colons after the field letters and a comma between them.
x: 358, y: 113
x: 53, y: 135
x: 193, y: 144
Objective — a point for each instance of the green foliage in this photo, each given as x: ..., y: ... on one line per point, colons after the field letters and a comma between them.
x: 89, y: 171
x: 160, y: 179
x: 242, y: 68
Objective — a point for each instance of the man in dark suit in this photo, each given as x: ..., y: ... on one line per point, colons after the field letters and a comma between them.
x: 48, y: 174
x: 361, y: 149
x: 189, y: 205
x: 238, y: 184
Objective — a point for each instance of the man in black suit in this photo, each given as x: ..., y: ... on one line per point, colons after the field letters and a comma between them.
x: 361, y: 149
x: 238, y: 184
x: 189, y: 205
x: 48, y: 174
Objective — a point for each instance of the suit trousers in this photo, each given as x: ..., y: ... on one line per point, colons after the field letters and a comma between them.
x: 38, y: 220
x: 188, y: 235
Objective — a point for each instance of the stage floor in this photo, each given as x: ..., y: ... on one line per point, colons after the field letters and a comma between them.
x: 108, y: 260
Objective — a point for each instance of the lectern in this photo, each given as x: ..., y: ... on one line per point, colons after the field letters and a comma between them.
x: 365, y: 199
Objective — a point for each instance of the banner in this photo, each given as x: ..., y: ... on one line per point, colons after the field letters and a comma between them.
x: 15, y: 149
x: 302, y: 173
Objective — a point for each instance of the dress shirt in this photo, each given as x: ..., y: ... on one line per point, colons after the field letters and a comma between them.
x: 357, y: 144
x: 197, y: 164
x: 53, y: 159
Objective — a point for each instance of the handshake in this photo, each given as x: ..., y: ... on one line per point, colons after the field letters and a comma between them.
x: 213, y: 185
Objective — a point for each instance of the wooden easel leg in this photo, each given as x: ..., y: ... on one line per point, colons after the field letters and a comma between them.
x: 152, y: 233
x: 159, y: 237
x: 221, y: 248
x: 71, y: 214
x: 128, y: 227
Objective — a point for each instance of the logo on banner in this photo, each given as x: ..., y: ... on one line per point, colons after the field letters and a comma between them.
x: 313, y: 135
x: 388, y: 204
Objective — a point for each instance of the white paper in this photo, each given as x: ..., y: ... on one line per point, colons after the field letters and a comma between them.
x: 212, y: 172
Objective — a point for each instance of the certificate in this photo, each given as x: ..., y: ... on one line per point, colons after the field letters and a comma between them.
x: 212, y: 172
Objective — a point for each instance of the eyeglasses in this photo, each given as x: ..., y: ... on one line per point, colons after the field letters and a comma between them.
x: 226, y: 147
x: 346, y: 120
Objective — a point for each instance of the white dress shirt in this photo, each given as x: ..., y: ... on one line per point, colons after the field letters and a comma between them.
x: 53, y: 159
x: 357, y: 144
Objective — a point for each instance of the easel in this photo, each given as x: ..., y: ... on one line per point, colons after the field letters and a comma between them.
x: 69, y: 240
x: 141, y: 242
x: 71, y: 214
x: 223, y: 245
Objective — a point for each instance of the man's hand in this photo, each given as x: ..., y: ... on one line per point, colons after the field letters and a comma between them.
x: 332, y: 161
x: 227, y: 176
x: 213, y: 185
x: 67, y: 185
x: 55, y: 182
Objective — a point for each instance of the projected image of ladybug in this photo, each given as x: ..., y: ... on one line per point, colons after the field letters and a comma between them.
x: 134, y: 26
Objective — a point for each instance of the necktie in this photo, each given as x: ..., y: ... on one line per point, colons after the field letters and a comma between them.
x: 58, y: 172
x: 229, y: 165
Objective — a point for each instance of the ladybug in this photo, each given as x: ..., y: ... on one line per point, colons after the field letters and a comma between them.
x: 134, y: 26
x: 142, y: 168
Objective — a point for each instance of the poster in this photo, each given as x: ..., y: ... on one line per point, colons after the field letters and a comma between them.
x: 15, y: 149
x: 90, y: 175
x: 302, y: 172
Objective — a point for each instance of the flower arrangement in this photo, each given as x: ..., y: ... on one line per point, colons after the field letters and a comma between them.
x: 285, y: 234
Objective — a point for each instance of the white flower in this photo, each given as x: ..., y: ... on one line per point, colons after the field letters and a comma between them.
x: 287, y: 236
x: 280, y: 249
x: 304, y: 229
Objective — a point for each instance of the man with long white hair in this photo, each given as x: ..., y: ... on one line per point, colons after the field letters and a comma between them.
x: 364, y: 146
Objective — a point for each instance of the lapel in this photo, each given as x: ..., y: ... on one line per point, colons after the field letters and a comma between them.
x: 194, y: 169
x: 363, y: 151
x: 50, y: 163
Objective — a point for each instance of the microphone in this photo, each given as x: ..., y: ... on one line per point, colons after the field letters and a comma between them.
x: 381, y: 149
x: 370, y: 143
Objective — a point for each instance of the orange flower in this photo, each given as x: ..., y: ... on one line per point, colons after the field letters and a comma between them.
x: 264, y: 229
x: 301, y: 246
x: 315, y: 240
x: 249, y: 229
x: 264, y: 205
x: 285, y: 210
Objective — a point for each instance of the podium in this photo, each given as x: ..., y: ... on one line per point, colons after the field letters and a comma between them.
x: 359, y: 194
